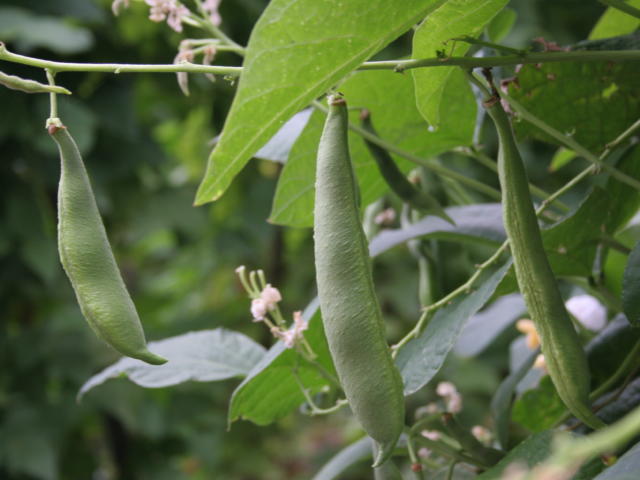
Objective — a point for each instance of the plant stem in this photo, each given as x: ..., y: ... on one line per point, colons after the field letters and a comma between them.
x: 56, y: 67
x: 53, y: 97
x: 396, y: 65
x: 488, y: 62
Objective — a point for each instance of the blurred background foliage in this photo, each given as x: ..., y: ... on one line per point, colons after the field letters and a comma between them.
x: 145, y: 146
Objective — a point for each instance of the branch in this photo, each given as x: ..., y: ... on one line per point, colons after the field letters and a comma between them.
x: 487, y: 62
x: 56, y: 67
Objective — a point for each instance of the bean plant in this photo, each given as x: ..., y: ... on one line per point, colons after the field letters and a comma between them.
x: 404, y: 126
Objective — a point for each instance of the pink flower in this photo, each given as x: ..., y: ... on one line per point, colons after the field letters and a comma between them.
x: 258, y: 309
x: 270, y: 295
x: 171, y: 10
x: 294, y: 334
x: 211, y: 7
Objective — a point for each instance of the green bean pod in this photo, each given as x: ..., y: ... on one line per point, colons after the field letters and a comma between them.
x: 87, y: 258
x: 396, y: 180
x: 350, y: 311
x: 564, y: 356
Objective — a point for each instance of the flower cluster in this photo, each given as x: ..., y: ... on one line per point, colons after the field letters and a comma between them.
x: 171, y: 10
x: 451, y: 396
x: 264, y: 308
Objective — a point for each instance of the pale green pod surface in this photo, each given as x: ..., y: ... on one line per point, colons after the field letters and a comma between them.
x: 565, y: 358
x: 350, y: 311
x: 88, y: 260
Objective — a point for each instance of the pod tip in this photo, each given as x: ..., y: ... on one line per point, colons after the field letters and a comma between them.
x: 150, y: 357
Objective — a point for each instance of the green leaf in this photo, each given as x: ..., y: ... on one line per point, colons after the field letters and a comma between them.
x: 390, y: 99
x: 31, y: 31
x: 540, y: 408
x: 631, y: 287
x: 298, y: 50
x: 484, y: 327
x: 421, y: 358
x: 350, y: 455
x: 270, y: 391
x: 481, y: 222
x: 204, y: 356
x: 613, y: 22
x: 594, y: 102
x: 501, y: 24
x: 529, y: 453
x: 561, y: 158
x: 626, y: 468
x: 454, y: 18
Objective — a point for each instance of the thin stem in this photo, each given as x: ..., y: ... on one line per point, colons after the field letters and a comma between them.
x: 415, y: 332
x: 571, y: 143
x: 488, y: 62
x: 451, y: 469
x: 316, y: 410
x: 53, y: 97
x: 633, y: 356
x: 431, y: 165
x: 622, y: 6
x: 56, y: 67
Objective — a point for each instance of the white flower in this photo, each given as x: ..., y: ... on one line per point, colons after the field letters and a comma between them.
x: 444, y: 389
x: 424, y: 452
x: 270, y: 296
x: 258, y: 309
x: 452, y: 398
x: 117, y: 5
x: 171, y: 10
x: 294, y: 334
x: 385, y: 217
x: 482, y: 434
x: 431, y: 434
x: 588, y: 311
x: 240, y: 270
x: 211, y: 7
x: 184, y: 56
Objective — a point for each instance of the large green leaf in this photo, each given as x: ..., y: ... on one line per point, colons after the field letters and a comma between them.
x: 421, y: 358
x: 614, y: 22
x: 529, y: 453
x: 297, y: 51
x: 594, y: 101
x: 453, y: 19
x: 390, y: 99
x: 203, y: 356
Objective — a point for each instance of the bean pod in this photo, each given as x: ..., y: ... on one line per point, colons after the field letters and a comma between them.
x: 350, y: 311
x: 565, y: 358
x: 87, y: 258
